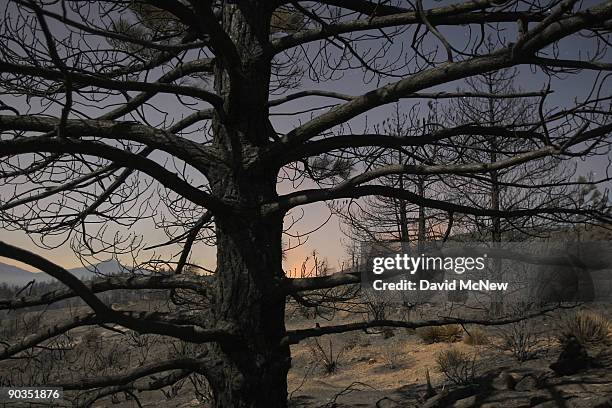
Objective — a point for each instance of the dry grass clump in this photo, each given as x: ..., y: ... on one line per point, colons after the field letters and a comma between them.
x: 458, y: 367
x: 476, y: 337
x: 449, y: 333
x: 587, y: 327
x: 390, y: 353
x: 327, y: 358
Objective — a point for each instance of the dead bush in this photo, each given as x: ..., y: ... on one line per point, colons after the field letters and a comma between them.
x: 587, y: 327
x: 520, y: 339
x: 457, y: 366
x: 376, y: 306
x: 449, y: 333
x: 326, y: 357
x: 476, y: 337
x: 390, y: 354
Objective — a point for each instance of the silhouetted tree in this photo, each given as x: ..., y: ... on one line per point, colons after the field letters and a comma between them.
x: 119, y: 113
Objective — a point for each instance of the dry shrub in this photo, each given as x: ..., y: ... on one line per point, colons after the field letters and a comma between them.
x: 521, y: 339
x: 457, y: 366
x: 476, y: 337
x: 326, y: 357
x: 449, y: 333
x: 587, y: 327
x: 390, y: 354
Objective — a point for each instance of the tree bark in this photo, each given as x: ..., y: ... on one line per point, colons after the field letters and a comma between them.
x: 497, y: 301
x: 252, y: 372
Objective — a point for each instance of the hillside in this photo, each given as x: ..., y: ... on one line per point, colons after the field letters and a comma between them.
x: 15, y: 276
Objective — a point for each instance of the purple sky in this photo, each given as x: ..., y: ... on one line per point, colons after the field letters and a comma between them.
x: 328, y: 240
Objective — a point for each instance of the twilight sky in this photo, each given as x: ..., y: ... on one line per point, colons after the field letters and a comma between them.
x: 328, y: 241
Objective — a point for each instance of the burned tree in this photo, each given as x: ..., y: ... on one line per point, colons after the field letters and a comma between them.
x: 545, y: 182
x: 172, y: 111
x: 389, y: 219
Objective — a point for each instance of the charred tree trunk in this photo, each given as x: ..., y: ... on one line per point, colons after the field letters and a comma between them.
x: 422, y: 232
x: 497, y: 302
x: 251, y: 371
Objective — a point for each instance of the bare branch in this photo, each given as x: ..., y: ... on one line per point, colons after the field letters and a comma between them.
x: 77, y: 128
x: 456, y: 14
x: 189, y: 282
x: 390, y: 93
x: 57, y: 329
x: 311, y: 196
x: 89, y: 80
x: 420, y: 95
x: 295, y: 336
x: 192, y: 364
x: 121, y: 157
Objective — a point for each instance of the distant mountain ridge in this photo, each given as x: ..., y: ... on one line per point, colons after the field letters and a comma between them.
x: 15, y: 276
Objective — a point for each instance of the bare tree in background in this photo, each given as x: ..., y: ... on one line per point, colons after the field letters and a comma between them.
x: 541, y: 183
x: 545, y: 182
x: 122, y: 113
x: 389, y: 219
